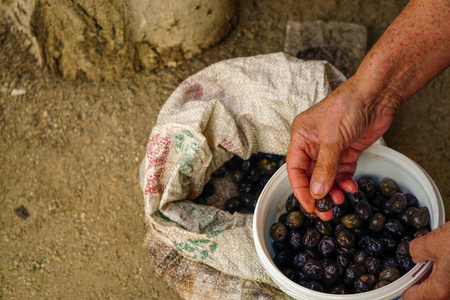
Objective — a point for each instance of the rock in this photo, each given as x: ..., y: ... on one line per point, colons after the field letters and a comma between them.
x: 18, y: 92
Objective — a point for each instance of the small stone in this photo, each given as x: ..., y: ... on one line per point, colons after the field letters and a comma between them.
x: 172, y: 64
x: 18, y: 92
x: 22, y: 212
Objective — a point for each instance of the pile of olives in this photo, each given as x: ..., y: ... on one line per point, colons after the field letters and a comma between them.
x: 364, y: 247
x: 250, y: 176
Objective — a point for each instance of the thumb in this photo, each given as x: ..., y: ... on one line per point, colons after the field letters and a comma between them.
x: 324, y: 172
x: 420, y: 249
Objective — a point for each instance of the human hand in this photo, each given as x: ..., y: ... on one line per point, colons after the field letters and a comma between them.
x: 435, y: 247
x: 327, y: 140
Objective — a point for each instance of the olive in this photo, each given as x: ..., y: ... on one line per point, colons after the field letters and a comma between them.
x: 375, y: 247
x: 388, y: 188
x: 234, y: 162
x: 389, y: 243
x: 341, y: 210
x: 405, y: 264
x: 311, y: 238
x: 282, y: 218
x: 236, y: 175
x: 398, y: 202
x: 351, y: 221
x: 292, y: 203
x: 279, y: 232
x: 363, y: 240
x: 262, y: 181
x: 380, y: 284
x: 377, y: 222
x: 282, y: 259
x: 279, y: 246
x: 312, y: 215
x: 406, y: 216
x: 356, y: 197
x: 344, y: 260
x: 389, y: 274
x: 221, y: 171
x: 253, y: 175
x: 250, y: 201
x: 368, y: 186
x: 353, y: 272
x: 403, y: 249
x: 288, y: 272
x: 363, y: 210
x: 345, y: 238
x: 295, y: 240
x: 339, y: 290
x: 378, y: 200
x: 245, y: 164
x: 360, y: 257
x: 421, y: 217
x: 315, y: 286
x: 324, y: 204
x: 421, y: 231
x: 373, y: 265
x: 313, y: 252
x: 300, y: 259
x: 327, y: 246
x: 324, y: 228
x: 294, y: 219
x: 394, y: 227
x: 299, y: 276
x: 412, y: 200
x: 313, y: 270
x: 325, y: 262
x: 267, y: 166
x: 388, y: 262
x: 332, y: 274
x: 365, y: 283
x: 233, y: 204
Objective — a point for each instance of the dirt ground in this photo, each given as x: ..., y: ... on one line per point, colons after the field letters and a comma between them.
x: 70, y: 153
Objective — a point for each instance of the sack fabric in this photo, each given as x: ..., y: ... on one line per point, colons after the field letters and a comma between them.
x: 238, y: 106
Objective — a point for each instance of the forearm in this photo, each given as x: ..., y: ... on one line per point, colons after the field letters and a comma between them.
x: 413, y: 50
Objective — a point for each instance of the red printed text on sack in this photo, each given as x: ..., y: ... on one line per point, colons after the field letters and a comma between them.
x: 157, y: 152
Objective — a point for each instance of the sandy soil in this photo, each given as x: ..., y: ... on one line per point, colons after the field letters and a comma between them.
x: 70, y: 152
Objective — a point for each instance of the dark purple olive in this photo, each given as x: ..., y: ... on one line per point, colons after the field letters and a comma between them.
x: 421, y: 217
x: 377, y: 222
x: 283, y: 259
x: 360, y: 257
x: 378, y: 200
x: 279, y: 246
x: 244, y: 187
x: 236, y: 175
x: 365, y: 283
x: 344, y: 260
x: 340, y: 289
x: 412, y: 200
x: 315, y: 286
x: 405, y: 264
x: 292, y: 203
x: 375, y: 247
x: 368, y: 186
x: 353, y: 272
x: 342, y: 209
x: 268, y: 166
x: 324, y: 204
x: 311, y: 238
x: 421, y: 232
x: 373, y: 265
x: 363, y: 210
x: 398, y: 202
x: 403, y: 249
x: 313, y: 270
x: 347, y: 250
x: 295, y: 240
x: 250, y: 201
x: 388, y: 262
x: 288, y: 272
x: 327, y: 246
x: 394, y: 227
x: 324, y: 228
x: 389, y: 243
x: 332, y: 274
x: 356, y: 197
x: 300, y: 259
x: 389, y: 274
x: 345, y: 238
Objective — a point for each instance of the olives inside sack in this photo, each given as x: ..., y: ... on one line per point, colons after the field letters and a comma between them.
x: 364, y: 247
x: 249, y: 176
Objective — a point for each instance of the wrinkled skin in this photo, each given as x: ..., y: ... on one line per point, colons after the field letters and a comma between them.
x: 327, y: 139
x: 434, y: 246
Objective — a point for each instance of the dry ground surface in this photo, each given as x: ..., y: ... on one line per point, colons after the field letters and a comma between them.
x: 70, y: 153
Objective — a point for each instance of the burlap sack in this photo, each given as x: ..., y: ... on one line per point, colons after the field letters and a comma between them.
x: 239, y: 106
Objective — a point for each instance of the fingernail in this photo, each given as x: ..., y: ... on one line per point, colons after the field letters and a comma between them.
x: 317, y: 188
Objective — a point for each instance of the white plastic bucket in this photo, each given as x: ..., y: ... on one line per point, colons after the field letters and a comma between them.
x: 381, y: 163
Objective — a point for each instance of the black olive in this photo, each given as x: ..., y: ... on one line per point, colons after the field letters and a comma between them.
x: 268, y: 166
x: 363, y: 210
x: 344, y: 260
x: 375, y: 247
x: 388, y: 262
x: 405, y: 264
x: 356, y: 197
x: 345, y: 238
x: 360, y: 257
x: 311, y: 238
x: 347, y: 250
x: 313, y: 270
x: 339, y: 290
x: 208, y: 190
x: 368, y: 186
x: 365, y: 283
x: 282, y: 218
x: 421, y: 231
x: 233, y: 204
x: 389, y: 243
x: 292, y: 203
x: 295, y: 240
x: 378, y: 200
x: 353, y: 272
x: 377, y: 222
x: 394, y: 227
x: 236, y: 175
x: 288, y: 272
x: 300, y: 259
x: 412, y: 200
x: 341, y: 210
x: 403, y: 249
x: 327, y: 246
x: 282, y: 259
x: 244, y: 187
x: 324, y: 228
x: 250, y: 201
x: 373, y: 265
x: 315, y: 286
x: 332, y: 274
x: 279, y: 232
x: 380, y: 284
x: 279, y: 246
x: 324, y: 204
x: 406, y: 216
